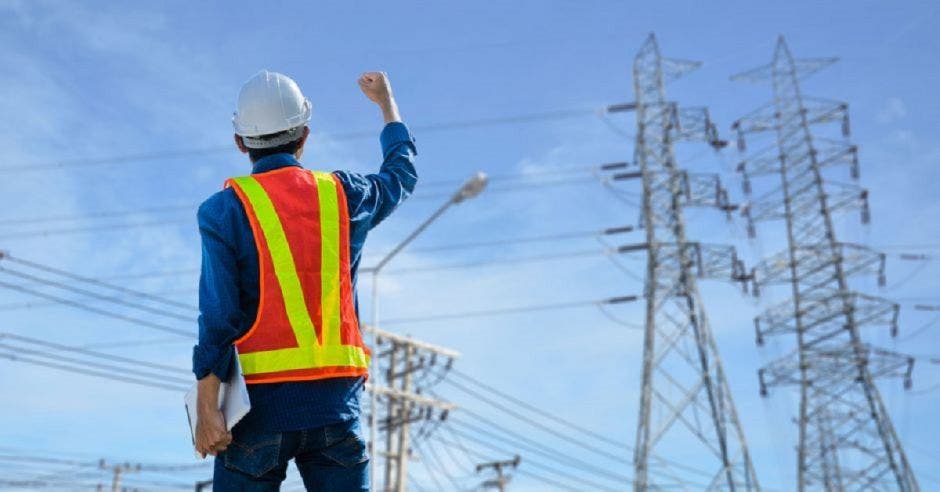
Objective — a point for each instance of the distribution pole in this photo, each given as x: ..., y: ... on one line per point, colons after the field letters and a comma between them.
x: 846, y: 439
x: 410, y: 367
x: 404, y: 426
x: 117, y: 470
x: 686, y: 409
x: 501, y: 479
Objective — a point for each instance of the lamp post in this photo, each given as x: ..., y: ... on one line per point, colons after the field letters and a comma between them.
x: 470, y: 189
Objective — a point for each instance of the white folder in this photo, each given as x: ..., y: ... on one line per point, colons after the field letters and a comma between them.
x: 233, y: 401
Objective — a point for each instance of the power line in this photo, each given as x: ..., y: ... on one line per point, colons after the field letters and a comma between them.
x: 440, y: 462
x: 525, y: 176
x: 414, y: 483
x: 542, y: 413
x: 92, y: 309
x: 91, y: 353
x: 511, y: 310
x: 524, y: 239
x: 174, y: 221
x: 434, y: 248
x: 567, y: 255
x: 550, y: 469
x: 96, y: 228
x: 912, y: 274
x: 459, y: 445
x: 11, y: 306
x: 107, y: 375
x: 432, y: 470
x: 85, y: 292
x: 554, y: 418
x: 98, y: 214
x: 495, y: 188
x: 70, y: 472
x: 929, y: 389
x: 136, y: 343
x: 921, y: 329
x: 128, y: 372
x: 524, y: 443
x: 96, y: 282
x: 140, y: 157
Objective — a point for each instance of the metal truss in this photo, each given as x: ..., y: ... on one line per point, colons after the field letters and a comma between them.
x: 846, y: 439
x: 686, y: 409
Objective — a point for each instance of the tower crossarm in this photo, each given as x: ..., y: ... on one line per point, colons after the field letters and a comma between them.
x: 833, y: 370
x: 810, y: 265
x: 822, y: 317
x: 828, y: 152
x: 804, y: 206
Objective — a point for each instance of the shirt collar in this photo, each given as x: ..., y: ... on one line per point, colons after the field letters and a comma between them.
x: 272, y: 162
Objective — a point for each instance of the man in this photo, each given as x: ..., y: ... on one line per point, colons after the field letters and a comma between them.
x: 280, y: 251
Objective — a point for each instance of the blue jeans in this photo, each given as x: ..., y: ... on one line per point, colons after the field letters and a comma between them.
x: 329, y: 458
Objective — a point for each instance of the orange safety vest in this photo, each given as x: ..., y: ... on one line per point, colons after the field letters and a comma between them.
x: 306, y: 327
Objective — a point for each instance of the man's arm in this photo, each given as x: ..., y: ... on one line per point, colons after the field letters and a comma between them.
x: 373, y: 197
x: 219, y: 326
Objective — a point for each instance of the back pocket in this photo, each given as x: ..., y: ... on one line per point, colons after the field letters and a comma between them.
x: 253, y: 453
x: 348, y: 451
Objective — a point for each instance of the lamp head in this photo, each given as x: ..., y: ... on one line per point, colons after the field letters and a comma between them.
x: 471, y: 188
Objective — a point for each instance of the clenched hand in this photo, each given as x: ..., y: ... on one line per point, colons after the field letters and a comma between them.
x: 376, y: 87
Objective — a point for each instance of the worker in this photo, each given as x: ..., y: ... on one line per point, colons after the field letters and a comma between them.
x: 280, y: 251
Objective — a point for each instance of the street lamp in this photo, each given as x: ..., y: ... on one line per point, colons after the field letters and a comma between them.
x: 470, y: 189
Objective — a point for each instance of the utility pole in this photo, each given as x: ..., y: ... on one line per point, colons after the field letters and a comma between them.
x: 410, y: 367
x: 501, y: 480
x: 686, y: 409
x: 117, y: 471
x: 846, y: 439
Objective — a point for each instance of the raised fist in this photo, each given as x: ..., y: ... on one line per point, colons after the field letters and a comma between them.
x: 376, y: 87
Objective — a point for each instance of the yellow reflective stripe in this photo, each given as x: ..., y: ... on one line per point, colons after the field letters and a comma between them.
x: 306, y: 357
x: 329, y: 259
x: 283, y: 260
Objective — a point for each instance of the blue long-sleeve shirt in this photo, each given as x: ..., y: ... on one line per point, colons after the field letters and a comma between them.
x: 229, y: 285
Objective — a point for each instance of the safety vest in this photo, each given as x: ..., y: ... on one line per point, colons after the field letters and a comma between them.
x: 306, y: 327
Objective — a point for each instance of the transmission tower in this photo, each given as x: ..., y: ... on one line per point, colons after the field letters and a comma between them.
x: 846, y: 439
x: 686, y: 409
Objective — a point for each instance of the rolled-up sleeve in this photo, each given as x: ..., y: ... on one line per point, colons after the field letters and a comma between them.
x: 372, y: 197
x: 219, y: 313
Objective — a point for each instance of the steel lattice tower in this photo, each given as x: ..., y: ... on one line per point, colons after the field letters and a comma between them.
x: 846, y: 439
x: 686, y: 409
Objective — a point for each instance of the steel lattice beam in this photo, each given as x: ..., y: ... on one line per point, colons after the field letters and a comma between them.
x: 846, y: 439
x: 686, y: 407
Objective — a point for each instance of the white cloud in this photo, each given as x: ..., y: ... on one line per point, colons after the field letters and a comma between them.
x: 893, y: 110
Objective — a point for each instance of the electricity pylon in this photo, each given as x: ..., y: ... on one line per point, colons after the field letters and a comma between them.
x: 846, y: 439
x: 686, y: 409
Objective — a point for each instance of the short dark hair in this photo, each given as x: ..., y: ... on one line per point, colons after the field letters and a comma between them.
x: 288, y: 148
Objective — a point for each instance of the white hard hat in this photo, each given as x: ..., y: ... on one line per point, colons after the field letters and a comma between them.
x: 268, y: 103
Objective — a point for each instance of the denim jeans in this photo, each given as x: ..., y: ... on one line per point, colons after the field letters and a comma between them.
x: 329, y: 458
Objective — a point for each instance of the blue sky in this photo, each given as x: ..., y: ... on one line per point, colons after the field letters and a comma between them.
x: 85, y: 81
